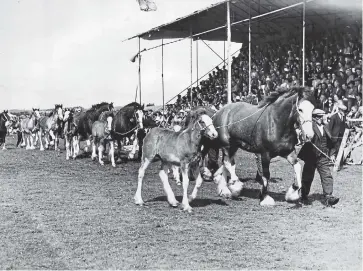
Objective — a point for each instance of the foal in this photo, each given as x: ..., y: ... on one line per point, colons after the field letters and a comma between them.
x: 176, y: 148
x: 101, y: 135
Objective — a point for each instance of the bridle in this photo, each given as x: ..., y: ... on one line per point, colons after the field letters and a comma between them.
x: 5, y: 117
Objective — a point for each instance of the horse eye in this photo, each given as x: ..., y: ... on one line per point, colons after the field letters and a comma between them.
x: 300, y: 110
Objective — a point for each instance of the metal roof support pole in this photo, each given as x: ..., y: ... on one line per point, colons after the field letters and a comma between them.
x: 197, y: 56
x: 249, y: 48
x: 229, y: 80
x: 191, y: 67
x: 162, y: 72
x: 139, y: 71
x: 303, y: 46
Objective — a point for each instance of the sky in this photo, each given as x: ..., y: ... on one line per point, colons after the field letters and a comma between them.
x: 71, y: 52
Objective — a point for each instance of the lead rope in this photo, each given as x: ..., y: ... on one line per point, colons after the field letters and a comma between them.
x: 262, y: 108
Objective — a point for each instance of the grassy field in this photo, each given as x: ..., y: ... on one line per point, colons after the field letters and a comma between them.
x: 58, y: 214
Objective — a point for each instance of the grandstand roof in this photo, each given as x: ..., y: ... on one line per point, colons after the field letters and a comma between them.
x: 320, y: 15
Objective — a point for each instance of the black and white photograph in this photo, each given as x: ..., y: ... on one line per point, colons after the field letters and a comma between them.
x: 181, y: 135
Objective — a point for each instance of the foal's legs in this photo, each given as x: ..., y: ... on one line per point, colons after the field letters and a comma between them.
x: 292, y: 193
x: 198, y: 184
x: 163, y: 173
x: 185, y: 201
x: 138, y: 197
x: 263, y: 161
x: 176, y: 175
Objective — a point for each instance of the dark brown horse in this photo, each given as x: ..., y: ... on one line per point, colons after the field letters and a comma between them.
x: 126, y: 121
x: 82, y: 122
x: 268, y: 130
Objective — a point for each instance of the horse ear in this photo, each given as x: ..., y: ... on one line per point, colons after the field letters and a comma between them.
x: 142, y: 107
x: 33, y: 109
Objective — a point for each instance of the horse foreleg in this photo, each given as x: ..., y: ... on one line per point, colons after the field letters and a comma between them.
x: 24, y: 139
x: 68, y: 147
x: 143, y: 167
x: 185, y: 201
x: 112, y: 153
x: 265, y: 199
x: 88, y: 144
x: 119, y: 148
x: 133, y: 151
x: 94, y: 154
x: 20, y: 136
x: 40, y: 140
x: 292, y: 193
x: 75, y: 146
x: 100, y: 153
x: 32, y: 147
x: 220, y: 179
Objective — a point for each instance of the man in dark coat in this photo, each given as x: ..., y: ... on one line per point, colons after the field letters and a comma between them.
x: 317, y: 160
x: 337, y: 126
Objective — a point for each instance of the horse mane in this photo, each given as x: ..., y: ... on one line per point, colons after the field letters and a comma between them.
x: 130, y: 108
x: 105, y: 114
x: 97, y: 106
x: 303, y: 92
x: 194, y: 115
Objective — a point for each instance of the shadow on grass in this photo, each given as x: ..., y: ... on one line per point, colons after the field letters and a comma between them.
x: 198, y: 202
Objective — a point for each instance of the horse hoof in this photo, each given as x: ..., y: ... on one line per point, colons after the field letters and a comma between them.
x: 101, y: 163
x: 191, y: 198
x: 174, y: 204
x: 236, y: 188
x: 267, y: 201
x: 178, y: 183
x: 113, y: 165
x: 292, y: 194
x: 225, y: 193
x: 187, y: 208
x: 93, y: 157
x: 41, y: 149
x: 67, y: 158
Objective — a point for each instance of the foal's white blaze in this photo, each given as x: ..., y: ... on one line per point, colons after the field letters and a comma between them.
x: 109, y: 122
x: 140, y: 116
x: 37, y: 114
x: 305, y: 110
x: 210, y: 130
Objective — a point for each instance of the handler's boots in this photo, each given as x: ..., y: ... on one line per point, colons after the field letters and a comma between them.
x: 330, y: 201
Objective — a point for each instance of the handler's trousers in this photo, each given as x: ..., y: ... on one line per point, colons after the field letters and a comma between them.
x: 322, y: 165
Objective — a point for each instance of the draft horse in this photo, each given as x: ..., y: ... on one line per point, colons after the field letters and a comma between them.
x: 51, y: 126
x: 176, y: 148
x: 82, y: 124
x: 268, y: 130
x: 101, y: 135
x: 124, y: 124
x: 27, y: 128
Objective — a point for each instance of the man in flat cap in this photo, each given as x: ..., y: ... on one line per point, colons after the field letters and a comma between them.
x: 315, y: 155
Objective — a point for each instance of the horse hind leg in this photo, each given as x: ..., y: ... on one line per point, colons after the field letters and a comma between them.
x: 234, y: 184
x: 100, y: 153
x: 143, y: 167
x: 40, y: 140
x: 198, y: 184
x: 112, y: 153
x: 265, y: 199
x: 94, y: 146
x: 176, y: 174
x: 163, y: 174
x: 185, y: 201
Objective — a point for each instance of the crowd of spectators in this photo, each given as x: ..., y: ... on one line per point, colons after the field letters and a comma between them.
x: 333, y: 69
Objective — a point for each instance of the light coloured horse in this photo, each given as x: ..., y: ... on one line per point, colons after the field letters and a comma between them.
x: 27, y: 127
x: 176, y: 148
x: 50, y: 126
x: 101, y: 130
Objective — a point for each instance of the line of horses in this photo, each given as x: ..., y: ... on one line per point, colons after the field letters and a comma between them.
x: 268, y: 130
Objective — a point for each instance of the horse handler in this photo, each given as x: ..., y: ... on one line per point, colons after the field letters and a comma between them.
x: 316, y: 157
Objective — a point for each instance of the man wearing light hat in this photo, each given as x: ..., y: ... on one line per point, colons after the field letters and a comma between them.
x: 315, y: 155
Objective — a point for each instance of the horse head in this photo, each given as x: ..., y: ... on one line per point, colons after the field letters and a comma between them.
x: 199, y: 119
x: 110, y: 107
x: 304, y: 106
x: 59, y: 110
x: 36, y: 113
x: 68, y: 112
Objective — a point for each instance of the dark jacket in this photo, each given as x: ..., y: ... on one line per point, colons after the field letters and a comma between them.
x: 322, y: 141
